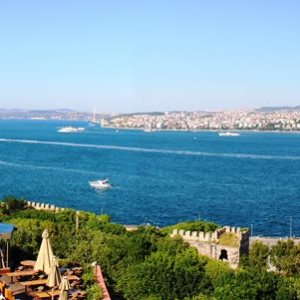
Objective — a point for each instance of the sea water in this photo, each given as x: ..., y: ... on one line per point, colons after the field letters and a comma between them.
x: 161, y: 177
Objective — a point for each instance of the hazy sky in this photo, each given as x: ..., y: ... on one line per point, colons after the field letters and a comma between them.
x: 124, y: 56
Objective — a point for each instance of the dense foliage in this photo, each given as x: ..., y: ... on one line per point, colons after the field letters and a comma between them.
x: 193, y: 226
x: 147, y: 263
x: 92, y: 288
x: 258, y: 257
x: 285, y: 256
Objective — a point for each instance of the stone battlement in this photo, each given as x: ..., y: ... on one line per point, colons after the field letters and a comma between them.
x: 44, y: 206
x: 207, y: 236
x: 208, y: 243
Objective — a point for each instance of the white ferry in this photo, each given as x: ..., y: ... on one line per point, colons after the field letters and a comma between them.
x: 100, y: 184
x: 228, y: 133
x: 70, y: 129
x: 149, y: 130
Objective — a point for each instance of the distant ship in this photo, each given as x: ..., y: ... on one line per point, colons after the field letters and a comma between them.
x: 37, y: 118
x: 100, y: 184
x: 149, y: 130
x: 70, y: 129
x: 228, y: 133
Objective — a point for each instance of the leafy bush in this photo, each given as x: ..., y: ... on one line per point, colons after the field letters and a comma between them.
x: 166, y: 274
x: 247, y: 285
x: 31, y: 213
x: 258, y: 256
x: 88, y: 276
x: 229, y: 239
x: 216, y: 270
x: 147, y: 263
x: 285, y: 256
x: 11, y: 204
x: 94, y: 292
x: 192, y: 226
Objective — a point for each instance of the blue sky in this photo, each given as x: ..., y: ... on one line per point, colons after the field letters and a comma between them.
x: 125, y: 56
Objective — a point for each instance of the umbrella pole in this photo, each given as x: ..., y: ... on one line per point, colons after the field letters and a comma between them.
x: 52, y: 297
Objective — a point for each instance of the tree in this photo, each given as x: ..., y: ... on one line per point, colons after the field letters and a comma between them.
x: 216, y: 269
x: 247, y: 285
x: 148, y: 263
x: 258, y: 256
x: 27, y: 239
x: 12, y: 204
x: 166, y: 275
x: 92, y: 288
x: 288, y: 288
x: 285, y: 256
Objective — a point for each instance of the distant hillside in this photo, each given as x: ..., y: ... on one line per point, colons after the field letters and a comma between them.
x: 12, y: 110
x: 47, y: 111
x: 158, y: 113
x: 154, y: 113
x: 18, y: 110
x: 278, y: 108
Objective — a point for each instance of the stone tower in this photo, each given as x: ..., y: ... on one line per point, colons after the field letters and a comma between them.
x: 227, y: 243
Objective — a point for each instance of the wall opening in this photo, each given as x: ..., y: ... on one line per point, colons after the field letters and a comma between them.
x: 223, y: 255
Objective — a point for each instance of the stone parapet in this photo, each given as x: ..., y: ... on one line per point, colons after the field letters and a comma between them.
x: 208, y: 243
x: 44, y: 206
x: 206, y: 236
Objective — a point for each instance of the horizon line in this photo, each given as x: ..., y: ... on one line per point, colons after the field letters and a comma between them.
x: 19, y: 109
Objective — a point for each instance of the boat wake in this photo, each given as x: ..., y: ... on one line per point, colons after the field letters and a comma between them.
x: 28, y: 166
x: 150, y: 150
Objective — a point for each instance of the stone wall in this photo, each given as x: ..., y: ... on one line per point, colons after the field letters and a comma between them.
x: 207, y: 236
x: 44, y: 206
x: 272, y: 241
x: 208, y: 243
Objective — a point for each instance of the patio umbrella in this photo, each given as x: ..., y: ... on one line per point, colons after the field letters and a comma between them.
x: 54, y: 277
x: 43, y: 262
x: 64, y: 289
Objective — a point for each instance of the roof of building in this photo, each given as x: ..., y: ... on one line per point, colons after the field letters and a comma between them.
x: 6, y: 230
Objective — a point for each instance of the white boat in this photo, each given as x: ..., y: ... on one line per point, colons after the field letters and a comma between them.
x: 100, y: 184
x: 70, y: 129
x: 228, y: 133
x: 149, y: 130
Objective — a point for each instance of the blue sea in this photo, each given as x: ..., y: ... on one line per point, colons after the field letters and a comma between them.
x: 160, y: 177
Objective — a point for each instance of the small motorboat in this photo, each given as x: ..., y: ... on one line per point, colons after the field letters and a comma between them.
x: 100, y: 184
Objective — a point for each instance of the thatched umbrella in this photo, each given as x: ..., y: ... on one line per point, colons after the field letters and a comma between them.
x: 54, y: 277
x: 43, y: 262
x: 64, y: 289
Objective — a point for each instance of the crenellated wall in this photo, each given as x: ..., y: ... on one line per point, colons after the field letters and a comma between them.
x: 207, y: 243
x: 44, y: 206
x: 207, y: 236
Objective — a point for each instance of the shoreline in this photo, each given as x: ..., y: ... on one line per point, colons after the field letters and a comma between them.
x: 269, y: 239
x: 160, y: 130
x: 201, y: 130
